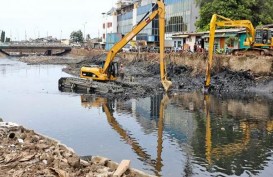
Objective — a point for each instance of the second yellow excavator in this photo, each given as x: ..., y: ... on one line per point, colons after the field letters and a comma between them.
x: 107, y: 71
x: 259, y: 40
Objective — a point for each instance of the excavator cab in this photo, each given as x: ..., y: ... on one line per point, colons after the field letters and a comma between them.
x: 94, y: 72
x: 263, y: 37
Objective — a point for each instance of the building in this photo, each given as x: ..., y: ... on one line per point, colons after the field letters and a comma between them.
x: 109, y: 24
x: 226, y: 39
x: 187, y: 41
x: 181, y: 16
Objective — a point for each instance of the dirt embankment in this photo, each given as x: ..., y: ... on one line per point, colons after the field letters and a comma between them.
x: 76, y: 52
x: 2, y: 55
x: 259, y: 65
x: 235, y: 74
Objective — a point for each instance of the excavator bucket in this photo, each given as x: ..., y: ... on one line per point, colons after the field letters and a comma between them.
x: 166, y: 84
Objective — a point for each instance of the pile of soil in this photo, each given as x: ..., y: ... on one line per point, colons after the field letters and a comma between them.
x: 54, y: 60
x: 24, y: 153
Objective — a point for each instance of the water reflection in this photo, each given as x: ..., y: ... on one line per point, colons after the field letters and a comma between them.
x: 89, y: 101
x: 237, y: 141
x: 225, y: 136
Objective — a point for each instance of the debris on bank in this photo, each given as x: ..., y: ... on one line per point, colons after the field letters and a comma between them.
x: 46, y: 60
x: 24, y: 153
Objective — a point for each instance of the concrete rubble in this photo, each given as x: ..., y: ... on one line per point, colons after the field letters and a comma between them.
x: 24, y: 153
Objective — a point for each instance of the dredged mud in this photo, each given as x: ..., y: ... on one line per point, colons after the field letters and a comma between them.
x: 142, y: 76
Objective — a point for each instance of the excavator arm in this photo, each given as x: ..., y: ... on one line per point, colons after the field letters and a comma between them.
x: 226, y: 22
x: 102, y: 74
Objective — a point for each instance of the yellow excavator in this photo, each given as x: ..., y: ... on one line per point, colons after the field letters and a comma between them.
x: 107, y: 71
x: 258, y: 40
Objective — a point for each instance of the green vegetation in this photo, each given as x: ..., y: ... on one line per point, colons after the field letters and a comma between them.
x: 76, y: 36
x: 257, y: 11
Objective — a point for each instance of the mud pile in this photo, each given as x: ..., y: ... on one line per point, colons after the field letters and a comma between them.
x: 24, y: 153
x: 187, y: 72
x: 46, y: 60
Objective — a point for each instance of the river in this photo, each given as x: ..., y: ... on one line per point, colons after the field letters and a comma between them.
x: 184, y: 134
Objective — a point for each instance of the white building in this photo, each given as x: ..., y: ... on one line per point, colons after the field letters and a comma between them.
x: 109, y: 24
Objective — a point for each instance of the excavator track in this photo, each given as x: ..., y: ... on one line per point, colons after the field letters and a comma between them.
x: 253, y: 52
x: 71, y: 84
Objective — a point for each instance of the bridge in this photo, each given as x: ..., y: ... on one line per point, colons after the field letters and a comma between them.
x: 22, y: 49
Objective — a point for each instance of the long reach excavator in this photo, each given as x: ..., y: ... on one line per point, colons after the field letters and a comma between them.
x: 259, y: 41
x: 108, y: 72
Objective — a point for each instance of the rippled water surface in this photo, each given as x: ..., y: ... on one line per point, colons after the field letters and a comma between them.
x: 177, y: 135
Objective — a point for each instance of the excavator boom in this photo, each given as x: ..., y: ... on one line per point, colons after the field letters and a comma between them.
x: 251, y: 40
x: 104, y: 74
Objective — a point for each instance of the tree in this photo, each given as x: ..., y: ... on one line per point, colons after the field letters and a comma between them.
x: 88, y: 37
x: 3, y: 36
x: 7, y: 39
x: 257, y: 11
x: 76, y: 36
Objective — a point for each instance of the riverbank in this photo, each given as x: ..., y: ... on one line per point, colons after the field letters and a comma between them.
x: 230, y: 74
x: 142, y: 71
x: 25, y: 153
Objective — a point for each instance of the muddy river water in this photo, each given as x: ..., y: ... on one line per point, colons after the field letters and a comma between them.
x: 185, y: 134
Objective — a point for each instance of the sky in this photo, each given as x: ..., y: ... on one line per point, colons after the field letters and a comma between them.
x: 24, y: 19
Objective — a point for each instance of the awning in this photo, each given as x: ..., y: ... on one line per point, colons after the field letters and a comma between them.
x: 180, y: 36
x: 225, y: 35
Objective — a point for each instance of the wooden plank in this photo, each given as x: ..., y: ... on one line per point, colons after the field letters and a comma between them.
x: 123, y: 166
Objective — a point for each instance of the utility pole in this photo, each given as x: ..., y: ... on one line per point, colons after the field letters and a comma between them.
x: 105, y: 26
x: 84, y: 38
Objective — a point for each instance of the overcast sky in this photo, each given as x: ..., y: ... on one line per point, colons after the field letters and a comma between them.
x: 57, y: 18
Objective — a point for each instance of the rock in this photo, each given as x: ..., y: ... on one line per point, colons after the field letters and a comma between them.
x: 36, y: 155
x: 18, y: 173
x: 99, y: 160
x: 42, y: 146
x: 27, y: 157
x: 45, y: 162
x: 23, y: 135
x: 60, y: 173
x: 84, y: 163
x: 20, y: 140
x: 74, y: 162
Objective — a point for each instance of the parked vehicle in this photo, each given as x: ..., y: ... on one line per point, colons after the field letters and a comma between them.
x: 127, y: 48
x: 143, y: 48
x: 75, y: 44
x: 168, y: 50
x: 154, y: 49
